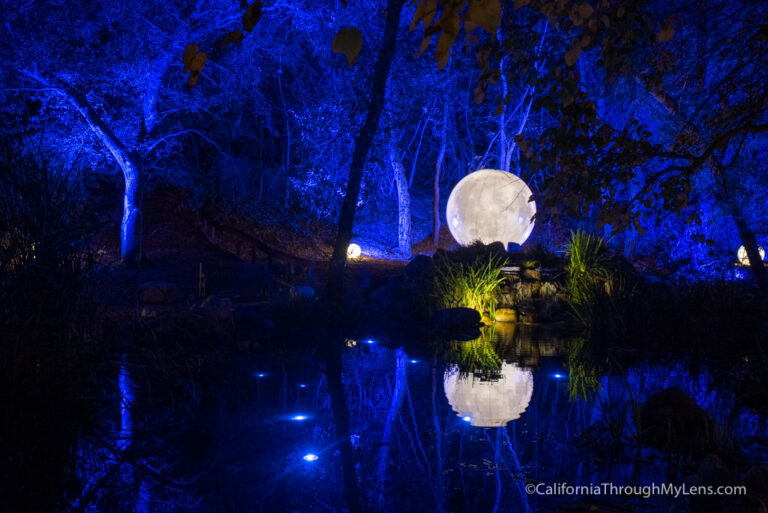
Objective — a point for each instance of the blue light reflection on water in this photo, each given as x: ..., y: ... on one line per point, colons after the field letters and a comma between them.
x: 276, y: 457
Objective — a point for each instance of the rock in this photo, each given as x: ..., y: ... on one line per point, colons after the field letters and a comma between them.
x: 456, y: 319
x: 419, y: 269
x: 506, y: 315
x: 301, y: 291
x: 671, y: 420
x: 218, y: 308
x: 532, y: 274
x: 496, y: 248
x: 158, y: 293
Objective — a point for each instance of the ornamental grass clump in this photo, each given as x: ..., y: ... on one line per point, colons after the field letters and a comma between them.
x: 472, y: 285
x: 588, y: 278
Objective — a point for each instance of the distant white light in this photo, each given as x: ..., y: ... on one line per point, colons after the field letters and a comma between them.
x: 354, y: 251
x: 260, y: 374
x: 744, y: 258
x: 310, y: 457
x: 369, y: 341
x: 467, y: 418
x: 414, y: 361
x: 302, y: 385
x: 299, y: 417
x: 490, y: 205
x: 558, y: 376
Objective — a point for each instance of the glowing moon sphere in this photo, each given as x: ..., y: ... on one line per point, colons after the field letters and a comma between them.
x: 354, y: 251
x: 490, y: 205
x: 489, y: 403
x: 744, y: 259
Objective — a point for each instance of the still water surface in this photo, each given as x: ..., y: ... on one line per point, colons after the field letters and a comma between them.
x: 446, y: 426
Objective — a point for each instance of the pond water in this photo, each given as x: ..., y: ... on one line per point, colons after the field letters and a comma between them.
x: 446, y: 426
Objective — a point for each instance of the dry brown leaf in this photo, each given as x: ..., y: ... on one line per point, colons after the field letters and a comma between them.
x: 252, y: 16
x: 486, y: 14
x: 233, y: 37
x: 189, y: 53
x: 425, y: 12
x: 348, y: 41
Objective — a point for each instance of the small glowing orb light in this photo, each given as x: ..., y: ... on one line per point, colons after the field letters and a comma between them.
x: 489, y: 403
x: 744, y: 258
x: 310, y: 457
x: 490, y: 205
x: 299, y: 417
x: 354, y: 251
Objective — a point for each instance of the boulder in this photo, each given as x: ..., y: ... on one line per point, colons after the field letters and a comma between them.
x: 456, y: 319
x: 671, y: 420
x: 419, y: 269
x: 496, y: 248
x: 158, y: 293
x: 532, y: 274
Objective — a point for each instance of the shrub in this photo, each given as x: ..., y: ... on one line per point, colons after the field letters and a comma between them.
x: 472, y: 285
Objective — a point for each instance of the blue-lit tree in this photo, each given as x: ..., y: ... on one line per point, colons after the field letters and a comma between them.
x: 106, y: 68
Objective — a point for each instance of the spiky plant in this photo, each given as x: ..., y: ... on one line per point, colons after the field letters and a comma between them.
x: 472, y: 285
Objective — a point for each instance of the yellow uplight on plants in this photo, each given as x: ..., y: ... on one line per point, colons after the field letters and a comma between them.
x: 490, y: 205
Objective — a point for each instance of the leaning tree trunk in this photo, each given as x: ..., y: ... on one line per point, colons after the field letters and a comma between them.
x: 362, y: 146
x: 438, y: 168
x: 403, y: 205
x: 130, y: 228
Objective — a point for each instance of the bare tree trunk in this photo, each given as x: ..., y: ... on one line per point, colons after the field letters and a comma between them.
x: 363, y: 141
x: 438, y: 167
x: 418, y: 150
x: 403, y: 205
x: 130, y: 227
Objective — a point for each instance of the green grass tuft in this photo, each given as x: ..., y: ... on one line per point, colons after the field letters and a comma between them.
x: 472, y: 285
